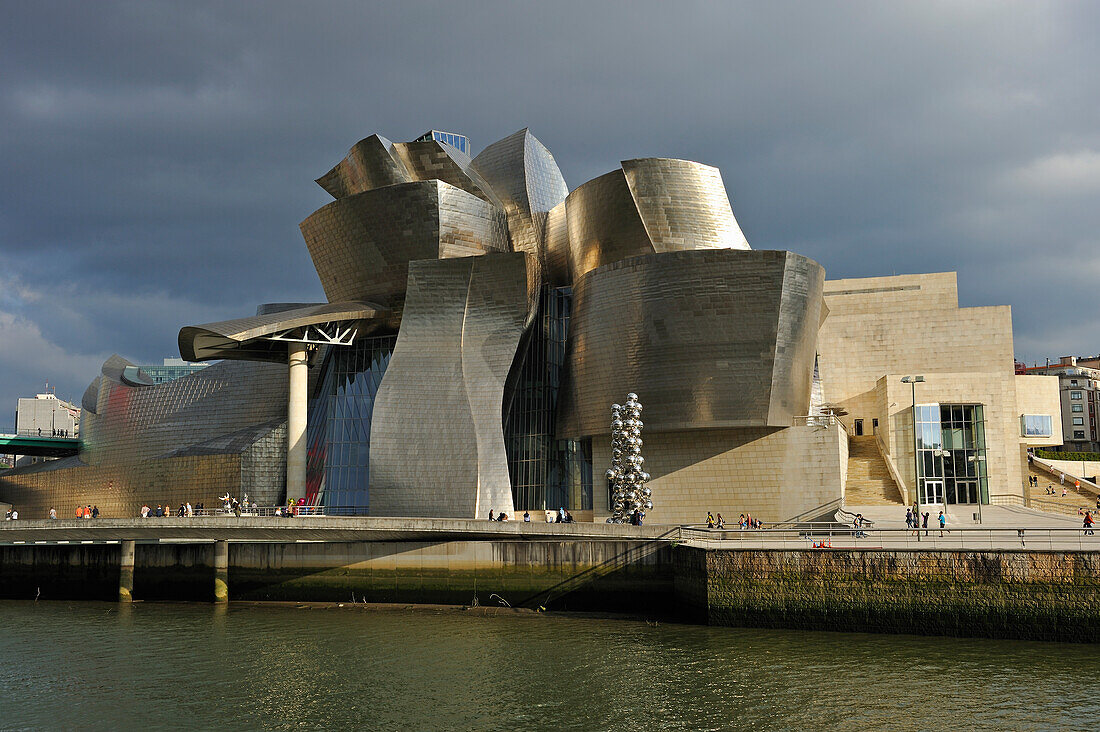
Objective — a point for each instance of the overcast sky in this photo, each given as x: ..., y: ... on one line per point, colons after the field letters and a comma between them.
x: 156, y: 158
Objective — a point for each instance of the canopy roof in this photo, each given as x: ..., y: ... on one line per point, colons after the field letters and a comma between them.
x: 264, y: 337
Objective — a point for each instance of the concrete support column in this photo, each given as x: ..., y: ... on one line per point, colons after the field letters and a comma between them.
x: 126, y: 572
x: 296, y: 422
x: 221, y: 571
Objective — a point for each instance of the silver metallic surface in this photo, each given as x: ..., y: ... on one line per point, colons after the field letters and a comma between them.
x: 528, y: 183
x: 437, y: 444
x: 649, y: 205
x: 716, y: 338
x: 216, y: 430
x: 362, y: 245
x: 256, y: 338
x: 629, y: 497
x: 371, y: 163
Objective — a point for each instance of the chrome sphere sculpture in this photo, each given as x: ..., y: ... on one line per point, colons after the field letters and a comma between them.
x: 629, y: 492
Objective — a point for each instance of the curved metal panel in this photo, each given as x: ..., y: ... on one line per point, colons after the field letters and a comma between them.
x: 706, y: 338
x: 557, y: 246
x: 89, y: 401
x: 524, y: 176
x: 604, y: 225
x: 437, y: 443
x: 369, y: 164
x: 431, y: 160
x: 683, y: 205
x: 144, y: 422
x: 362, y: 245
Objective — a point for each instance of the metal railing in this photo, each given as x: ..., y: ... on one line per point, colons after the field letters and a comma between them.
x: 267, y: 511
x: 37, y: 432
x: 828, y: 536
x: 817, y: 420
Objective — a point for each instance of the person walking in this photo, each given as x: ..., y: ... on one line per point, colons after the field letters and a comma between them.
x: 491, y: 514
x: 943, y: 522
x: 925, y: 518
x: 710, y: 520
x: 719, y: 522
x: 1088, y: 523
x: 908, y: 517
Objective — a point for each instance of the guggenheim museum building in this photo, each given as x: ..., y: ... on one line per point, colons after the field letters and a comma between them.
x: 482, y: 319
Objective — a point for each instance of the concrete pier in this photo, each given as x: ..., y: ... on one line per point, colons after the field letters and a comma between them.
x: 126, y: 572
x: 221, y: 571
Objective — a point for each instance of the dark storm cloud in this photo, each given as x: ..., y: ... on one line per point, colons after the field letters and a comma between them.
x: 157, y: 157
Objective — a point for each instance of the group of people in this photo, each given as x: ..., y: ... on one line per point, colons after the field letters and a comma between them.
x: 56, y: 433
x: 11, y: 514
x: 82, y: 512
x: 916, y: 520
x: 1052, y: 492
x: 561, y: 516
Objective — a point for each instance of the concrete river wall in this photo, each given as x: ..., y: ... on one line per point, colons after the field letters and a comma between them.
x: 1047, y: 595
x: 1038, y: 595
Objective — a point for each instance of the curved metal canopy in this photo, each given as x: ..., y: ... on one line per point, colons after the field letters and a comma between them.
x: 264, y: 337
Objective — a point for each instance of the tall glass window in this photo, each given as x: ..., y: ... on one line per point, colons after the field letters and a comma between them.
x: 338, y: 432
x: 546, y: 472
x: 951, y: 453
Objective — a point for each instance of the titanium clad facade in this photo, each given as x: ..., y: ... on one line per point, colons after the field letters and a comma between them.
x: 649, y: 205
x: 526, y: 180
x: 707, y: 338
x: 430, y: 160
x: 683, y: 205
x: 221, y: 429
x: 436, y: 442
x: 370, y: 164
x: 362, y: 245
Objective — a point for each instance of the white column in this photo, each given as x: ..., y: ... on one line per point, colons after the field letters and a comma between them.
x: 296, y: 423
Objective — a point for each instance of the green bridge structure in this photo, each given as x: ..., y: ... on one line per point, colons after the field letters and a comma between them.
x: 39, y: 446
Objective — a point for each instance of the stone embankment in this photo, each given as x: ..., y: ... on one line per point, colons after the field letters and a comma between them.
x: 1035, y: 594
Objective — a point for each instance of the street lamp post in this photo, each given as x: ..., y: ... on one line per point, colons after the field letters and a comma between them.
x: 912, y: 381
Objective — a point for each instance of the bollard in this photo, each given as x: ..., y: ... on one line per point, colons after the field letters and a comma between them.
x: 221, y: 571
x: 126, y: 572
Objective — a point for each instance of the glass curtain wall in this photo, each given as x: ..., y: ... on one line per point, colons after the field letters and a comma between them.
x: 952, y: 453
x: 545, y: 472
x: 338, y: 431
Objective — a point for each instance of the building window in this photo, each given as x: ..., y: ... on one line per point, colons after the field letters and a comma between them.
x: 1079, y: 420
x: 1037, y: 425
x: 951, y: 453
x: 1078, y: 434
x: 1078, y: 408
x: 1075, y: 395
x: 1073, y: 382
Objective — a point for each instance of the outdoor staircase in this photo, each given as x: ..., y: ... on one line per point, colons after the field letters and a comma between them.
x: 869, y: 480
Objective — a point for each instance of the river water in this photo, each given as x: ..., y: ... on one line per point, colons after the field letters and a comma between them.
x: 179, y: 666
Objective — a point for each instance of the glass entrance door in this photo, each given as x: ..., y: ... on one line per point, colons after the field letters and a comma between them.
x: 966, y: 491
x: 932, y: 492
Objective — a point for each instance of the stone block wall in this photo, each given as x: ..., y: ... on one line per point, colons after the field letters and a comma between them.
x: 1004, y: 594
x: 773, y: 474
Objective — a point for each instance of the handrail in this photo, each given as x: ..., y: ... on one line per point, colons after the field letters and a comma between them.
x: 892, y: 467
x: 970, y: 538
x: 818, y: 420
